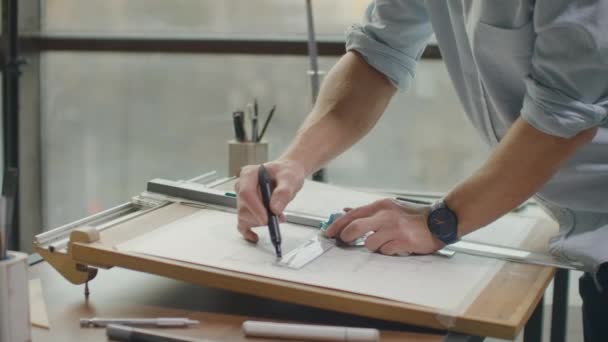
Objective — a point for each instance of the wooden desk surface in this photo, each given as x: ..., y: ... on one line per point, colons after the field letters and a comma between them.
x: 124, y: 293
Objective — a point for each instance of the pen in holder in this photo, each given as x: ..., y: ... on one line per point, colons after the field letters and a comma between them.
x: 245, y: 153
x: 14, y: 298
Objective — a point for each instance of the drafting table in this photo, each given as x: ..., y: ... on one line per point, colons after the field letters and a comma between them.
x: 501, y: 309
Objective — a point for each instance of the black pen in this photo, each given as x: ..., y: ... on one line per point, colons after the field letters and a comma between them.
x: 239, y: 130
x: 254, y: 129
x: 254, y: 122
x: 273, y: 221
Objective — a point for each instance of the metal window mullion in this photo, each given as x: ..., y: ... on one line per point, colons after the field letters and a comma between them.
x: 221, y: 44
x: 29, y: 132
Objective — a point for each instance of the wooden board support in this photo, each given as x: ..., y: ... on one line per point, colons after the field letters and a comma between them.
x: 63, y: 261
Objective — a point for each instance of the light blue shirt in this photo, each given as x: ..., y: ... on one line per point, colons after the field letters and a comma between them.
x: 546, y: 60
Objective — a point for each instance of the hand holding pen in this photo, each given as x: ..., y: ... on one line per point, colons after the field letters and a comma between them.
x: 287, y: 178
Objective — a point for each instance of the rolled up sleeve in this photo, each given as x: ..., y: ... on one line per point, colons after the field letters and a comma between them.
x: 391, y: 38
x: 567, y: 89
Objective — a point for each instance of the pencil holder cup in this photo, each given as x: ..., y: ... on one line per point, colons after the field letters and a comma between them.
x: 245, y: 153
x: 14, y: 299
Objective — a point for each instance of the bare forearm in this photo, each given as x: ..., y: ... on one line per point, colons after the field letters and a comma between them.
x: 524, y: 160
x: 352, y: 99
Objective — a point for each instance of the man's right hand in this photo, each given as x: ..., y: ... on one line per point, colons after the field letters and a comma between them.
x: 288, y: 177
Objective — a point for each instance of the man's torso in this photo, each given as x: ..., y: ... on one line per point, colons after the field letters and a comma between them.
x: 488, y: 48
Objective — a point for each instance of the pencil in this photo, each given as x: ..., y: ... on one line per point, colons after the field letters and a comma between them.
x: 267, y: 122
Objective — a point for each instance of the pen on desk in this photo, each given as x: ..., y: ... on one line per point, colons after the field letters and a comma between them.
x: 128, y: 334
x: 273, y: 221
x: 270, y: 114
x: 161, y: 322
x: 239, y: 130
x: 411, y: 200
x: 309, y: 332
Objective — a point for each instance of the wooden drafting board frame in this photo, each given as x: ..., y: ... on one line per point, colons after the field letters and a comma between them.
x: 501, y: 310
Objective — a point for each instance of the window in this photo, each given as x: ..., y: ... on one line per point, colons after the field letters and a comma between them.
x: 112, y: 121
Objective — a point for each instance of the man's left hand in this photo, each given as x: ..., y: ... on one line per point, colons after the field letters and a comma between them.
x: 398, y: 227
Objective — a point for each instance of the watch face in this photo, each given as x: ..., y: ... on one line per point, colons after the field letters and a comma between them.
x: 443, y: 223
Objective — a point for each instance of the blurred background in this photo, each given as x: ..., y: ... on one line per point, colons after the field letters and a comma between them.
x: 110, y: 121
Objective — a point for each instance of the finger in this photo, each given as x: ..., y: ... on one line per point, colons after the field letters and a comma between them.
x: 394, y: 247
x: 282, y: 195
x: 243, y: 226
x: 357, y: 213
x: 251, y: 236
x: 247, y: 219
x: 249, y: 197
x: 244, y: 213
x: 248, y: 234
x: 282, y: 218
x: 358, y: 228
x: 286, y: 183
x: 378, y: 239
x: 245, y: 223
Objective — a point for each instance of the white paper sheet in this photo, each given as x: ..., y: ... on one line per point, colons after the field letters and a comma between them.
x: 210, y: 238
x: 322, y: 200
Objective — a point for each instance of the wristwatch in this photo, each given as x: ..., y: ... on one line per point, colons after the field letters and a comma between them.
x: 443, y: 222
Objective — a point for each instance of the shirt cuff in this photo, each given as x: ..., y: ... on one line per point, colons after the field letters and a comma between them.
x: 555, y: 113
x: 395, y: 65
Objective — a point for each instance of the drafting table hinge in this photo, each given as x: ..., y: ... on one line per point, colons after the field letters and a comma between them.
x: 63, y: 262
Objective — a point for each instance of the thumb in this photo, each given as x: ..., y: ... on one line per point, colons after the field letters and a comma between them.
x: 282, y: 195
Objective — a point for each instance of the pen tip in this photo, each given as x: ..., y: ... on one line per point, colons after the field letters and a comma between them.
x: 279, y: 252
